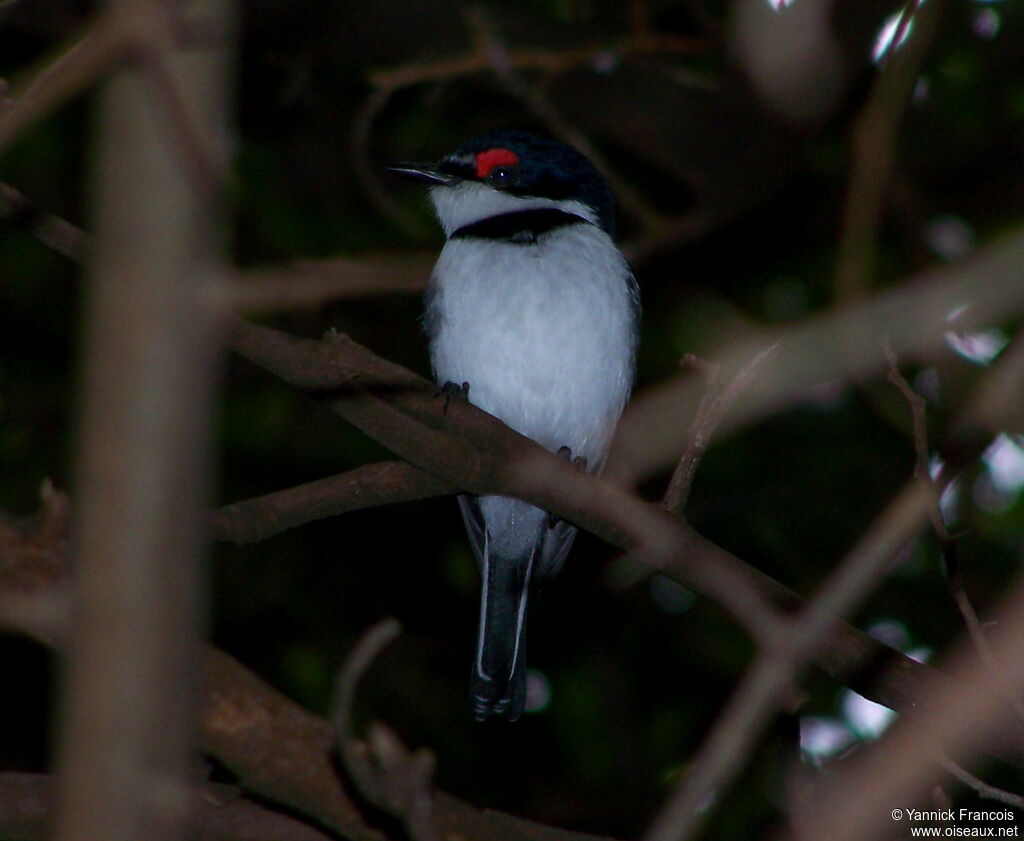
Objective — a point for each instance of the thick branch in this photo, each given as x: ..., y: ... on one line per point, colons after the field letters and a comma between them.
x: 221, y: 813
x: 151, y: 364
x: 475, y: 452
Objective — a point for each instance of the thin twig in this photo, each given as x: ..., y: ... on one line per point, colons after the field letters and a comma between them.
x: 856, y: 801
x: 313, y: 283
x: 766, y: 684
x: 912, y: 314
x: 877, y: 672
x: 384, y: 483
x: 389, y: 776
x: 501, y: 63
x: 875, y: 140
x: 105, y: 42
x: 717, y: 400
x: 547, y: 61
x: 947, y: 543
x: 980, y: 787
x: 52, y: 231
x: 367, y: 171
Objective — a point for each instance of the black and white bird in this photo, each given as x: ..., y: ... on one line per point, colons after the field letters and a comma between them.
x: 532, y: 305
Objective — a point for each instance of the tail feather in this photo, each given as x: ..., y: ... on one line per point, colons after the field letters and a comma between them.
x: 515, y: 544
x: 498, y: 682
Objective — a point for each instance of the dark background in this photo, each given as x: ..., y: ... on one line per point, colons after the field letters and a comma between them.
x: 637, y: 674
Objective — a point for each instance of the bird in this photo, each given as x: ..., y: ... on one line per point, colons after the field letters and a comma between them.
x: 532, y: 314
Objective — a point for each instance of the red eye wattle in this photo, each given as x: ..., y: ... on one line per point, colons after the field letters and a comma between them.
x: 486, y: 161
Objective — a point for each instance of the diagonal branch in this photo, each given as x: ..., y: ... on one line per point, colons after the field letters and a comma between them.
x: 475, y: 452
x: 914, y: 312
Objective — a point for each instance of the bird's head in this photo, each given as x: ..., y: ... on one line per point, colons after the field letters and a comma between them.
x: 505, y: 171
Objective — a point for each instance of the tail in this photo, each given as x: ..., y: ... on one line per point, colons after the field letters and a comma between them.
x: 498, y: 683
x: 514, y: 544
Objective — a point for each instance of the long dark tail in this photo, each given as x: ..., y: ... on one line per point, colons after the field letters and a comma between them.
x: 498, y: 683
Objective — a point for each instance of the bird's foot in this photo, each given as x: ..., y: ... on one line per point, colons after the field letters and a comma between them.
x: 580, y: 463
x: 452, y: 389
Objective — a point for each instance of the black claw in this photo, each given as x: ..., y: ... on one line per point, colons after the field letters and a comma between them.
x: 580, y: 463
x: 452, y: 389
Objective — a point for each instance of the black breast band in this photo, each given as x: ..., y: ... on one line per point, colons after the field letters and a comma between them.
x: 521, y: 226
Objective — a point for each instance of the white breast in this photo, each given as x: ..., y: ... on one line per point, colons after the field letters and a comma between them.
x: 545, y: 334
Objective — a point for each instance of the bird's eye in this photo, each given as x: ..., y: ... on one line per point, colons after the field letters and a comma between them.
x: 502, y: 176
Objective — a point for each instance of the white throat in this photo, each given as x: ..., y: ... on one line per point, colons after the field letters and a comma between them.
x: 468, y: 202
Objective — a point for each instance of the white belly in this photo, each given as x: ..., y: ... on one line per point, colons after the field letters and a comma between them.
x: 545, y: 334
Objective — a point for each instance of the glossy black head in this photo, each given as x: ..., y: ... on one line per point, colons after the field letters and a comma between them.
x: 522, y: 164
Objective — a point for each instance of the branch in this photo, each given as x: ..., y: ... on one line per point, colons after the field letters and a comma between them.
x: 103, y: 44
x: 277, y: 750
x: 368, y: 486
x: 947, y: 543
x: 713, y: 406
x: 914, y: 312
x: 385, y: 772
x: 875, y: 136
x: 477, y: 452
x: 219, y: 811
x: 855, y: 801
x: 912, y: 316
x: 981, y: 788
x: 142, y: 461
x: 52, y: 231
x: 767, y: 684
x: 312, y: 283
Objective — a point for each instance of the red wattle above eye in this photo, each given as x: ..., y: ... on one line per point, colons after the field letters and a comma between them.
x: 486, y: 161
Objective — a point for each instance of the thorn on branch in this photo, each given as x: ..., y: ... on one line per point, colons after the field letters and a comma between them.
x: 385, y: 772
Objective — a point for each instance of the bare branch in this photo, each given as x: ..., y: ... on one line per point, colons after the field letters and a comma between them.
x: 152, y: 355
x: 980, y: 787
x: 278, y: 751
x: 475, y: 449
x: 106, y: 42
x: 946, y: 541
x: 312, y: 283
x: 388, y: 775
x: 913, y: 315
x: 383, y: 483
x: 549, y: 61
x: 52, y: 231
x: 875, y: 136
x: 477, y: 453
x: 712, y: 408
x: 768, y: 682
x: 219, y: 812
x: 917, y: 308
x: 855, y: 801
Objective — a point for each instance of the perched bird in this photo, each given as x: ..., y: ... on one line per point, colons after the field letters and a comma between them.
x: 532, y: 307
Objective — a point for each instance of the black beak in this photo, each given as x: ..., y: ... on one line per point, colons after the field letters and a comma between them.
x: 428, y: 173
